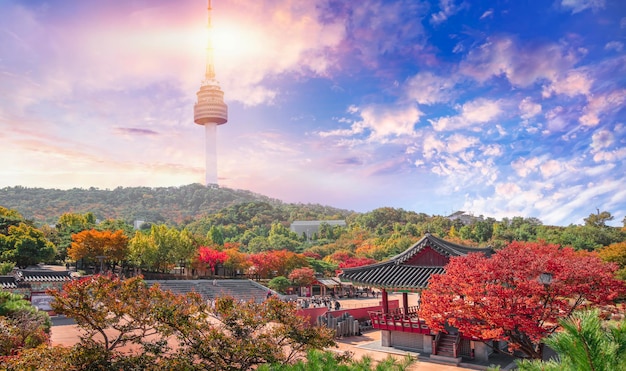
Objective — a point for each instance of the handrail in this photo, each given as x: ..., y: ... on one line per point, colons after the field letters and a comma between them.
x: 410, y: 310
x: 455, y: 346
x: 435, y: 342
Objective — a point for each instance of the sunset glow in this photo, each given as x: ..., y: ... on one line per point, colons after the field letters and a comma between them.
x: 499, y: 109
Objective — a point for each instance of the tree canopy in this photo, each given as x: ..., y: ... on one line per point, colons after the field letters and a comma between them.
x: 519, y: 294
x: 586, y: 343
x: 169, y: 331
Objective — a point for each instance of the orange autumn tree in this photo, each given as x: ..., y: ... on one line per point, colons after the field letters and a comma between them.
x: 166, y: 331
x: 520, y: 294
x: 236, y: 261
x: 276, y: 263
x: 91, y: 243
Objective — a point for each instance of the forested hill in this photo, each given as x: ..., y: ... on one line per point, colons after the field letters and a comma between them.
x: 164, y: 204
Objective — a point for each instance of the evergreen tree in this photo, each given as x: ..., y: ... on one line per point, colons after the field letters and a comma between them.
x: 584, y: 344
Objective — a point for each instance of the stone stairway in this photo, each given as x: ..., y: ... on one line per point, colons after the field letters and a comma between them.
x: 445, y: 350
x: 445, y: 347
x: 240, y: 289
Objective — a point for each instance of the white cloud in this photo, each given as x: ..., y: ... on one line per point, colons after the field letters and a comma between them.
x: 618, y: 154
x: 428, y: 88
x: 523, y: 167
x: 573, y: 84
x: 487, y: 14
x: 448, y: 9
x: 618, y: 46
x: 528, y: 108
x: 507, y: 189
x: 556, y: 119
x: 554, y: 205
x: 577, y: 6
x: 602, y: 104
x: 104, y: 50
x: 550, y: 168
x: 478, y: 111
x: 432, y: 146
x: 381, y: 122
x: 375, y: 28
x: 602, y: 139
x: 492, y: 150
x: 457, y: 143
x: 521, y: 65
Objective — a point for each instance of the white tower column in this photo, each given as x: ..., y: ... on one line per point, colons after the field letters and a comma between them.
x: 210, y: 132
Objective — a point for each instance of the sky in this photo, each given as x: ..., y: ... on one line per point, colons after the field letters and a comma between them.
x: 497, y: 108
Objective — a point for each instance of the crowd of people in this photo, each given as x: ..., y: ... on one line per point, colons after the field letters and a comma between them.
x: 319, y: 302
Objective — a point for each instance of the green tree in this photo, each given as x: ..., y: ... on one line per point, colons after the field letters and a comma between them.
x: 6, y: 268
x: 9, y: 218
x: 258, y: 244
x: 589, y: 237
x: 25, y: 245
x: 215, y: 236
x: 116, y: 225
x: 142, y: 251
x: 584, y: 344
x: 599, y: 219
x: 68, y: 225
x: 327, y: 361
x: 280, y: 284
x: 322, y: 267
x: 21, y: 325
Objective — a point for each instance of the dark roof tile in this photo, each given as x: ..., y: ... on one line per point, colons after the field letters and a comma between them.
x: 394, y: 274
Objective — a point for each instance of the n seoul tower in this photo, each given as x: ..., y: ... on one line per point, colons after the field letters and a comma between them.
x: 210, y: 109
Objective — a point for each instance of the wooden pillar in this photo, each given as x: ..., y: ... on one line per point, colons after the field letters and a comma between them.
x: 405, y: 303
x: 385, y: 302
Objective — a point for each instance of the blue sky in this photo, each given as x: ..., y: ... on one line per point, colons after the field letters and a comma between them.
x: 502, y: 108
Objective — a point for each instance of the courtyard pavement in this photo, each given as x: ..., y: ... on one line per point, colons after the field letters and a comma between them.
x: 65, y: 332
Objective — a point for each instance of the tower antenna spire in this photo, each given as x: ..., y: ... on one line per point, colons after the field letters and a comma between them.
x: 210, y: 69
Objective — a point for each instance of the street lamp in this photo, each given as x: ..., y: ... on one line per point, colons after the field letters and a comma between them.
x: 545, y: 278
x: 101, y: 258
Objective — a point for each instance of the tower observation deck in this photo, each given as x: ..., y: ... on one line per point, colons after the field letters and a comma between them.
x: 210, y: 109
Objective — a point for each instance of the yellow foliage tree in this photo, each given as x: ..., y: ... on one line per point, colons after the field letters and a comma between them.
x: 615, y: 253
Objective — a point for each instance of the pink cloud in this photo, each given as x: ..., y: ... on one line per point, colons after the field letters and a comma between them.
x: 521, y: 65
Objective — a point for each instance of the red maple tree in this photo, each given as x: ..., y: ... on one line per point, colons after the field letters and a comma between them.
x: 353, y: 261
x: 519, y: 294
x: 211, y: 257
x: 302, y: 276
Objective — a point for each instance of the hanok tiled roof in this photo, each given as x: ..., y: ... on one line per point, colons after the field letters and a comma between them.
x: 329, y: 282
x: 7, y: 282
x: 396, y: 274
x: 43, y: 276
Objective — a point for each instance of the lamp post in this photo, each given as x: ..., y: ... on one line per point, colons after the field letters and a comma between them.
x: 545, y: 278
x: 101, y: 259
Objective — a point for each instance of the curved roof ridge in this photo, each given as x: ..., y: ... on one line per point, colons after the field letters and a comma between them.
x: 456, y: 246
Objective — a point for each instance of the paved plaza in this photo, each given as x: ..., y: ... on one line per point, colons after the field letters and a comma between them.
x: 65, y: 332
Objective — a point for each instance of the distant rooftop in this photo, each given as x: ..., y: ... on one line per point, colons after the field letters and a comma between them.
x: 310, y: 227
